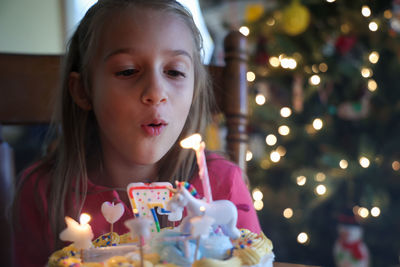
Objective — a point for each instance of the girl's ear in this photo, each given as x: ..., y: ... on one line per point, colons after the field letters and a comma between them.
x: 78, y: 92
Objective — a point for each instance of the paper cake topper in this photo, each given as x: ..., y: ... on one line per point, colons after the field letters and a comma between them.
x: 145, y: 198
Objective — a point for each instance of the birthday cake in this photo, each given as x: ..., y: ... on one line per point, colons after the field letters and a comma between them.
x: 207, y: 236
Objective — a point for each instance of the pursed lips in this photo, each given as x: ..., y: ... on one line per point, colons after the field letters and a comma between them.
x: 155, y: 127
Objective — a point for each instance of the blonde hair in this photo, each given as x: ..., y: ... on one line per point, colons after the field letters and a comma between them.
x: 78, y: 139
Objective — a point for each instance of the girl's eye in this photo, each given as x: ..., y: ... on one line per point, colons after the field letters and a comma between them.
x: 175, y: 73
x: 126, y: 73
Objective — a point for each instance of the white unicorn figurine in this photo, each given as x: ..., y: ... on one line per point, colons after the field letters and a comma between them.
x: 224, y: 212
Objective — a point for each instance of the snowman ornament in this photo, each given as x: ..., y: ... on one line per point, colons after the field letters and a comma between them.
x: 349, y: 249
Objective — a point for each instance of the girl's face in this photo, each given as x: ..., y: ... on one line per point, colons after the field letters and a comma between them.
x: 142, y: 82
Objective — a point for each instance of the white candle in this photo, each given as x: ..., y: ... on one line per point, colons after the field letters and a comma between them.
x: 79, y: 233
x: 194, y: 142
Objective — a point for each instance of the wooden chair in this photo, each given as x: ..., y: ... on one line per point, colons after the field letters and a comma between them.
x: 28, y: 82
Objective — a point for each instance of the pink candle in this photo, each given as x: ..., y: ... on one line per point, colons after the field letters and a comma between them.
x: 194, y: 142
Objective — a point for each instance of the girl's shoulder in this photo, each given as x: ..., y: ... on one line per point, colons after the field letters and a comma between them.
x: 35, y: 177
x: 217, y: 161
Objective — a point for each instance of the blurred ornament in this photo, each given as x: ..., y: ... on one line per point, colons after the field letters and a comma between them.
x: 349, y: 249
x: 295, y: 18
x: 355, y: 110
x: 345, y: 43
x: 262, y: 56
x: 297, y: 93
x: 395, y: 20
x: 253, y: 12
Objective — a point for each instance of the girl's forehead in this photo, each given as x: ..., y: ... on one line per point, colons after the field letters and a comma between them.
x: 146, y: 28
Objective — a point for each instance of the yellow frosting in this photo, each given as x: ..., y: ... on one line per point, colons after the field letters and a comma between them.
x: 251, y: 247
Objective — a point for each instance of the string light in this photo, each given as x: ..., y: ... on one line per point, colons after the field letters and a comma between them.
x: 387, y: 14
x: 323, y: 67
x: 249, y: 155
x: 271, y: 139
x: 373, y: 57
x: 343, y: 164
x: 274, y: 62
x: 315, y: 80
x: 260, y: 99
x: 320, y: 177
x: 363, y: 212
x: 345, y: 28
x: 258, y: 204
x: 364, y: 162
x: 288, y: 213
x: 366, y: 11
x: 288, y: 63
x: 318, y: 124
x: 372, y: 85
x: 265, y: 164
x: 275, y: 157
x: 375, y: 211
x: 396, y: 165
x: 251, y: 76
x: 284, y: 130
x: 257, y: 194
x: 271, y: 22
x: 320, y: 189
x: 366, y: 72
x: 285, y: 112
x: 315, y: 68
x: 373, y: 26
x: 301, y: 180
x: 281, y: 150
x: 244, y: 30
x: 302, y: 238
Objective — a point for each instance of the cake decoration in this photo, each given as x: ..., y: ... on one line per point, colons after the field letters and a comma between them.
x: 112, y: 213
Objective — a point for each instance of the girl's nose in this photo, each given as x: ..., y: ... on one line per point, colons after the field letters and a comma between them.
x: 154, y: 92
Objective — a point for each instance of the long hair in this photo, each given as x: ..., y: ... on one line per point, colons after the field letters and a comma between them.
x: 77, y: 130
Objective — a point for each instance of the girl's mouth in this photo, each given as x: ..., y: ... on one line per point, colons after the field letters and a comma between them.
x: 154, y: 128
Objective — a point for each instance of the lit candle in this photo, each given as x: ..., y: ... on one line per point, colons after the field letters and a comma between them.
x: 79, y: 233
x: 194, y: 141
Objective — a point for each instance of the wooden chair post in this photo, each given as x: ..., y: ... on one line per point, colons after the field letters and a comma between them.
x: 235, y: 101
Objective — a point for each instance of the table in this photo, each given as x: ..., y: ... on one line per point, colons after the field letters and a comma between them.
x: 282, y: 264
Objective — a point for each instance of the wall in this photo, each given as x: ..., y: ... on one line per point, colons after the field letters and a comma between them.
x: 33, y: 26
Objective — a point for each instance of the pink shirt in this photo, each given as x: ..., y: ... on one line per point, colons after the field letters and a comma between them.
x: 32, y: 240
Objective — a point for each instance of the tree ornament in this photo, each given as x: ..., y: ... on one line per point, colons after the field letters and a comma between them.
x: 395, y: 20
x: 253, y: 12
x: 345, y: 43
x: 355, y: 110
x: 349, y: 249
x: 295, y: 18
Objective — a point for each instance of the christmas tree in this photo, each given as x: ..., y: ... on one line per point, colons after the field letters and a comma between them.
x: 324, y: 130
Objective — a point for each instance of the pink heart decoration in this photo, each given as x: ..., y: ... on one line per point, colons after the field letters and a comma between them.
x: 111, y: 212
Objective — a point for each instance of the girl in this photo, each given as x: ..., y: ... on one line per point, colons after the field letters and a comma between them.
x: 133, y: 86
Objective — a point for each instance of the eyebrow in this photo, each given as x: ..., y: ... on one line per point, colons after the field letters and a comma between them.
x: 178, y: 52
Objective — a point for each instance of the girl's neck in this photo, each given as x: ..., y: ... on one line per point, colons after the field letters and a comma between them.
x: 117, y: 175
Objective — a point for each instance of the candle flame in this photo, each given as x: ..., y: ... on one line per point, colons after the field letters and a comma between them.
x: 85, y: 218
x: 192, y: 141
x: 202, y: 209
